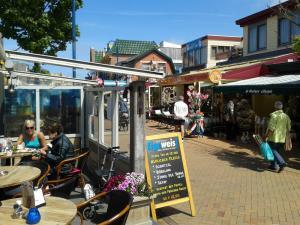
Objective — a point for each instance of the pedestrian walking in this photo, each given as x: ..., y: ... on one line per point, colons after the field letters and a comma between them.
x: 278, y: 127
x: 181, y: 110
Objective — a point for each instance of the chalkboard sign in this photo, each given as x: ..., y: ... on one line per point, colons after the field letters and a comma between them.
x: 166, y: 171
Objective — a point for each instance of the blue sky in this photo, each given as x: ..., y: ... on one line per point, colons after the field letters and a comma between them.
x: 157, y: 20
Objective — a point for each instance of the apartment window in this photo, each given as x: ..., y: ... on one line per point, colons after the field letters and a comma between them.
x: 161, y: 67
x: 146, y: 66
x: 218, y: 49
x: 185, y: 59
x: 213, y: 52
x: 288, y: 30
x: 257, y: 37
x: 191, y: 58
x: 198, y: 56
x: 284, y: 32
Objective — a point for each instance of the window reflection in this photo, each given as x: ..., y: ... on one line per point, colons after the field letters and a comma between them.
x: 18, y: 106
x: 61, y: 106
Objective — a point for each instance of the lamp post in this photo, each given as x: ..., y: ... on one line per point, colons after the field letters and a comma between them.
x: 2, y: 58
x: 74, y: 34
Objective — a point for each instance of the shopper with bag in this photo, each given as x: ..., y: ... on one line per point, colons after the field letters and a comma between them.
x: 277, y: 135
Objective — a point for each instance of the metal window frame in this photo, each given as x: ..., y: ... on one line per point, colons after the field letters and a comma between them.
x: 37, y: 89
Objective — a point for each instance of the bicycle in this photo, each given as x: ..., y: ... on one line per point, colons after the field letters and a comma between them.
x: 105, y: 174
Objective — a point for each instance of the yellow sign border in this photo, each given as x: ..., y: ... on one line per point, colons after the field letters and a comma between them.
x: 186, y: 174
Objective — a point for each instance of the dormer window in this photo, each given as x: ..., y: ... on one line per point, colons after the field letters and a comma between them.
x: 288, y: 29
x: 257, y: 37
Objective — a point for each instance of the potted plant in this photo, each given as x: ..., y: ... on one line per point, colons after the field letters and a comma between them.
x: 135, y: 184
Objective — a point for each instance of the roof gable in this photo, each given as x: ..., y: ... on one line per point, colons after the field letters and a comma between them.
x: 136, y: 58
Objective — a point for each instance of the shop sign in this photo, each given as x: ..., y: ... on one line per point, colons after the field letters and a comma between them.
x: 166, y: 171
x: 256, y: 91
x: 215, y: 76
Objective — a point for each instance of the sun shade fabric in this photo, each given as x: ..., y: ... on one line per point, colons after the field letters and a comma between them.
x: 287, y: 84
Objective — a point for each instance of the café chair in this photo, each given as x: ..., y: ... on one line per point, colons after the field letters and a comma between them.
x: 38, y: 182
x: 43, y: 166
x: 61, y: 188
x: 78, y: 162
x: 119, y: 204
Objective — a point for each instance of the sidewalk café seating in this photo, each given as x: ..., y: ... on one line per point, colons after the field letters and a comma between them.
x: 119, y: 204
x: 38, y: 182
x: 43, y: 166
x: 63, y: 187
x: 165, y: 117
x: 79, y: 162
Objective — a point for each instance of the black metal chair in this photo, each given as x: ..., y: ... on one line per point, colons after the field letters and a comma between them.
x: 119, y: 204
x: 63, y: 187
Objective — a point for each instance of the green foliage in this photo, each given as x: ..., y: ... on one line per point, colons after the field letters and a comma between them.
x: 296, y: 44
x: 38, y: 26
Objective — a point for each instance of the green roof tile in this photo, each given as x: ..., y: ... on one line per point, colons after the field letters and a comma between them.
x: 130, y: 47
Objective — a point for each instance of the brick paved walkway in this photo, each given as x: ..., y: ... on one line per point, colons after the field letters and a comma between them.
x: 231, y: 186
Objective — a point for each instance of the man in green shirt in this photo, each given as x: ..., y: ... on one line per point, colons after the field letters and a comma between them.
x: 278, y: 127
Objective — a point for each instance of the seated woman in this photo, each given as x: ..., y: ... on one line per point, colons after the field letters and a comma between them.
x: 61, y: 149
x: 32, y: 138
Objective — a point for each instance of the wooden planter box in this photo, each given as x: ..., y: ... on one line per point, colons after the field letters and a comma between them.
x: 139, y: 213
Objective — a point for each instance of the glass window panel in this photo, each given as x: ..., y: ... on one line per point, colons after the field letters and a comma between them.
x: 107, y: 119
x: 18, y: 106
x: 61, y: 106
x: 252, y: 39
x: 146, y: 66
x: 191, y: 58
x: 197, y: 57
x: 284, y: 31
x: 213, y: 52
x: 185, y: 59
x: 262, y: 36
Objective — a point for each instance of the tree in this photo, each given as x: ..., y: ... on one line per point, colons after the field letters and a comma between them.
x: 38, y: 26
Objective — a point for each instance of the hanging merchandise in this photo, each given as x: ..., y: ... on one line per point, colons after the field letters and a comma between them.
x: 195, y: 99
x: 245, y: 119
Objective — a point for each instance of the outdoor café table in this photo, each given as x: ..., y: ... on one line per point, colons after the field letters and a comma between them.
x: 17, y: 174
x: 57, y: 211
x: 15, y: 155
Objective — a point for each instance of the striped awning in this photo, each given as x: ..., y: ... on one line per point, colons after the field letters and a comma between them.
x: 286, y: 84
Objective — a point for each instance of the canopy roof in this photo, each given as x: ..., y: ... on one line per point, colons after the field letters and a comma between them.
x: 286, y: 84
x: 51, y: 60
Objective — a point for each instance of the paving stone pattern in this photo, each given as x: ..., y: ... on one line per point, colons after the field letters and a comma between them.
x: 231, y: 186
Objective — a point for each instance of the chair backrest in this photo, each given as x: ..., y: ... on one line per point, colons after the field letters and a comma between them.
x: 64, y: 189
x: 43, y: 166
x: 118, y: 202
x: 77, y: 160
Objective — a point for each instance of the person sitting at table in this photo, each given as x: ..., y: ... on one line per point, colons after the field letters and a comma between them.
x: 61, y: 149
x: 32, y: 138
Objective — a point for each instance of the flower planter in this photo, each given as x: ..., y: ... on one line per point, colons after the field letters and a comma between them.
x: 139, y: 213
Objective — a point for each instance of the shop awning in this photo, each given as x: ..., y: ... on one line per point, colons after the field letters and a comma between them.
x: 264, y: 85
x: 183, y: 79
x: 245, y: 72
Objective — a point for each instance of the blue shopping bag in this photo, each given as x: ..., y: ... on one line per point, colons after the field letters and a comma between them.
x: 266, y: 151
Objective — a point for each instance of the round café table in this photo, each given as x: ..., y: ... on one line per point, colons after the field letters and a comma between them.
x: 17, y: 174
x: 57, y: 211
x: 15, y: 155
